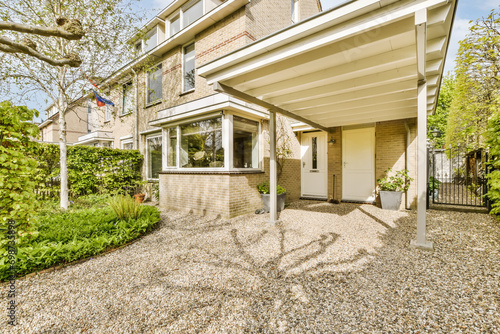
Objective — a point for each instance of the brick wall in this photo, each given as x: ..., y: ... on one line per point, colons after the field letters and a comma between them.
x: 335, y: 164
x: 390, y: 148
x: 308, y: 8
x: 227, y: 195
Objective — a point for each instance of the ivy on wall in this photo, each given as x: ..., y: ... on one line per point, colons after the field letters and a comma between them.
x: 91, y: 170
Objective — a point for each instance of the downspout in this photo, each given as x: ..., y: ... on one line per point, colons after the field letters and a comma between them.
x: 136, y: 117
x: 408, y: 141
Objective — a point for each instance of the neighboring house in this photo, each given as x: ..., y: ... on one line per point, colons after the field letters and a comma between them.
x: 200, y: 145
x: 76, y: 123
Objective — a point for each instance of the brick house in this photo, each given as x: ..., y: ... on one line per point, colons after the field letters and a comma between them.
x: 77, y: 123
x: 349, y: 87
x: 221, y: 155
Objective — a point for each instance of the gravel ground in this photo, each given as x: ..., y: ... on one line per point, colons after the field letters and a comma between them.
x: 324, y: 269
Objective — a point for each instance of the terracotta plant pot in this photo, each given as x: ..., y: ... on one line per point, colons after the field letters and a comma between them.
x: 139, y: 198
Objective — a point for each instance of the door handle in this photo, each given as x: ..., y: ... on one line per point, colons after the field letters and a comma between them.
x: 345, y: 163
x: 303, y: 164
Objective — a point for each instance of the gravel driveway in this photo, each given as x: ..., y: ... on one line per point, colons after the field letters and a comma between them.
x: 325, y: 269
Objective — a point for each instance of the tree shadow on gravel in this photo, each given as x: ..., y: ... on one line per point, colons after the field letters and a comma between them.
x: 268, y: 295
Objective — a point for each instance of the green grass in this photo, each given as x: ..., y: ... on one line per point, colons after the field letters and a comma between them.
x: 88, y: 228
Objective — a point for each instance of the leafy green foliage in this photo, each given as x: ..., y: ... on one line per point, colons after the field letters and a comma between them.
x: 91, y: 170
x: 16, y: 168
x: 434, y: 183
x: 477, y: 85
x: 439, y: 120
x: 264, y: 188
x: 493, y: 141
x: 125, y: 207
x: 74, y: 234
x: 400, y: 181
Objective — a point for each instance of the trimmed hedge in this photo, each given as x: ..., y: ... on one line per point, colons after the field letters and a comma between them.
x: 91, y: 170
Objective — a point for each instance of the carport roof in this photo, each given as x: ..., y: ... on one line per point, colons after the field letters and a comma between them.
x: 357, y: 63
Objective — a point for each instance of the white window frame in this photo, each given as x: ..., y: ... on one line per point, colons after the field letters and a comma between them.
x: 157, y: 42
x: 152, y: 136
x: 127, y: 141
x: 295, y: 11
x: 183, y: 90
x: 227, y: 143
x: 180, y: 13
x: 159, y: 100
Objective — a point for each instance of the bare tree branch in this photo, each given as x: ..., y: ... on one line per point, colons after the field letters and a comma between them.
x: 6, y: 45
x: 69, y: 29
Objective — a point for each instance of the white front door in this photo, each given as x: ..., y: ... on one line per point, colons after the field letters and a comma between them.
x: 314, y: 165
x: 358, y: 161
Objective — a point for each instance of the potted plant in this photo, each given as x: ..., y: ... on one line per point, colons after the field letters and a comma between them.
x: 139, y: 194
x: 392, y: 188
x: 434, y: 185
x: 264, y: 190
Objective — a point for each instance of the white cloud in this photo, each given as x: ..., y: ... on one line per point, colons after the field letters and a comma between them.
x: 488, y: 4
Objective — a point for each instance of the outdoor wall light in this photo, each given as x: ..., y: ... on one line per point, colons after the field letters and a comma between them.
x: 331, y: 141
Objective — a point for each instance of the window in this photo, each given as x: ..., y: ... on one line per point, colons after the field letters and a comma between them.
x: 295, y: 11
x: 188, y: 68
x: 192, y: 13
x: 128, y: 145
x: 154, y: 157
x: 154, y: 84
x: 127, y: 103
x: 107, y: 113
x: 175, y: 25
x: 245, y: 143
x: 201, y: 144
x: 89, y: 118
x: 314, y: 152
x: 151, y: 39
x: 172, y: 147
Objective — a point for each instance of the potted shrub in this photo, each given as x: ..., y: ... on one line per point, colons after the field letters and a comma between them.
x: 392, y: 188
x: 434, y: 185
x: 264, y: 190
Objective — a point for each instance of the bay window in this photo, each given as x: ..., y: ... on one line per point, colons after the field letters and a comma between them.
x: 245, y: 143
x: 202, y: 144
x: 151, y: 39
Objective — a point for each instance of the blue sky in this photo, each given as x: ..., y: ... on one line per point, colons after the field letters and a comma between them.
x: 467, y: 10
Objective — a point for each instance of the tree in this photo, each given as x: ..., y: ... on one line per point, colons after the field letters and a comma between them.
x: 477, y: 83
x: 68, y: 29
x: 106, y: 23
x: 439, y: 120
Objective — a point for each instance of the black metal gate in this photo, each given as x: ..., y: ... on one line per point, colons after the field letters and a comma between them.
x: 458, y: 176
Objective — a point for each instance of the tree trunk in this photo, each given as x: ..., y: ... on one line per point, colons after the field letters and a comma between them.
x: 62, y: 142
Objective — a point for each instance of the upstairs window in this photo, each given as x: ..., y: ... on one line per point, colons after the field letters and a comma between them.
x: 154, y: 156
x: 107, y: 113
x: 151, y: 39
x: 175, y: 25
x: 295, y: 11
x: 127, y: 103
x: 192, y: 13
x: 188, y: 68
x: 154, y: 84
x: 186, y: 16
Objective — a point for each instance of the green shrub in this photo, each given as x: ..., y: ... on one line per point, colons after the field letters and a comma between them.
x: 400, y: 181
x: 75, y: 234
x: 125, y: 207
x: 264, y: 188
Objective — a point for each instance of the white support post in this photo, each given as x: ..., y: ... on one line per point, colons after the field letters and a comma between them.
x: 421, y: 41
x: 273, y: 175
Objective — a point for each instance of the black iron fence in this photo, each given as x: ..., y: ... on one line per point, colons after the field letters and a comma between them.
x: 458, y: 176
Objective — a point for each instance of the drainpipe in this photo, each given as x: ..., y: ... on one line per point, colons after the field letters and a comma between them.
x: 408, y: 141
x: 136, y: 117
